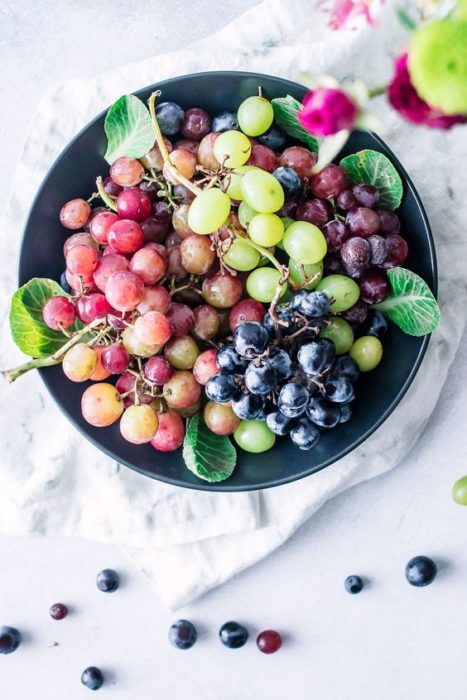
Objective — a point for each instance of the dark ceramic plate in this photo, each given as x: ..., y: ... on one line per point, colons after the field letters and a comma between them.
x: 74, y: 174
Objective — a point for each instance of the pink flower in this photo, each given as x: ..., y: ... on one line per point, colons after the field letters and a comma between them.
x: 404, y: 98
x: 345, y: 11
x: 326, y: 111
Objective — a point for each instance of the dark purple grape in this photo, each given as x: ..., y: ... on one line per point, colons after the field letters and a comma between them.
x: 315, y: 211
x: 375, y: 324
x: 335, y: 233
x: 329, y: 182
x: 374, y: 286
x: 362, y: 222
x: 154, y: 230
x: 333, y: 264
x: 357, y: 313
x: 111, y: 187
x: 389, y: 222
x: 289, y: 208
x: 366, y: 195
x: 170, y: 117
x: 346, y: 200
x: 150, y: 188
x: 379, y: 249
x: 196, y: 124
x: 162, y: 212
x: 185, y: 195
x: 398, y: 251
x: 355, y: 254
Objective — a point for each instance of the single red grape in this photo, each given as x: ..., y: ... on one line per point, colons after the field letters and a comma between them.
x: 196, y: 124
x: 59, y: 313
x: 329, y: 182
x: 125, y: 236
x: 134, y: 204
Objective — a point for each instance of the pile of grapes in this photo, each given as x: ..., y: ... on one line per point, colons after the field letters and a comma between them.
x: 224, y: 276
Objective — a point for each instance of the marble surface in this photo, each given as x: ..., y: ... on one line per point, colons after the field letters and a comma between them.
x: 392, y: 641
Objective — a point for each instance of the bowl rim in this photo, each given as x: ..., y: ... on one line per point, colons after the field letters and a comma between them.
x: 224, y: 485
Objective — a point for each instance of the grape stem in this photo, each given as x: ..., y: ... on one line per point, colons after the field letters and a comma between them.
x: 163, y: 149
x: 105, y: 196
x: 12, y: 374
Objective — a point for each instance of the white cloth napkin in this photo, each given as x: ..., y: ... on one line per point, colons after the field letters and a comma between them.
x: 53, y: 481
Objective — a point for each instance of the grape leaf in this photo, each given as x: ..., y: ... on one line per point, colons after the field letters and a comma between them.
x: 211, y: 457
x: 285, y: 113
x: 376, y: 169
x: 28, y: 329
x: 410, y: 303
x: 128, y: 128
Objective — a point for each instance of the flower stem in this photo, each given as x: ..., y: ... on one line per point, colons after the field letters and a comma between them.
x: 163, y: 149
x: 105, y: 196
x: 54, y: 359
x: 377, y: 91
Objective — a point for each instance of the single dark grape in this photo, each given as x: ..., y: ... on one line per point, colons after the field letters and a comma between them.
x: 149, y: 188
x: 304, y: 434
x: 196, y: 124
x: 344, y: 366
x: 260, y: 378
x: 375, y: 324
x: 280, y: 360
x: 226, y: 121
x: 316, y: 356
x: 421, y: 571
x: 315, y: 305
x: 284, y: 314
x: 162, y: 212
x: 269, y: 641
x: 353, y: 584
x: 233, y: 635
x: 278, y: 423
x: 323, y: 413
x: 229, y: 360
x: 357, y: 313
x: 108, y: 580
x: 170, y: 117
x: 248, y: 406
x: 221, y: 388
x: 389, y: 221
x: 339, y: 389
x: 346, y: 413
x: 379, y: 249
x: 293, y: 399
x: 274, y: 138
x: 58, y: 611
x: 288, y: 178
x: 366, y: 195
x: 355, y: 254
x: 333, y: 264
x: 329, y: 182
x: 10, y: 639
x: 288, y: 209
x: 374, y: 286
x: 398, y: 251
x: 362, y: 222
x: 315, y: 211
x: 335, y: 233
x: 92, y: 677
x: 250, y: 338
x: 183, y: 634
x: 346, y: 200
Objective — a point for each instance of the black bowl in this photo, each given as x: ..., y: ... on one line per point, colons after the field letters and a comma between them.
x: 74, y: 174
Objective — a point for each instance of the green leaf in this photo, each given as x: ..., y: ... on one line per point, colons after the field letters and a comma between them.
x: 211, y: 457
x: 285, y: 113
x: 405, y: 19
x: 410, y: 303
x: 129, y: 129
x: 28, y: 329
x: 376, y: 169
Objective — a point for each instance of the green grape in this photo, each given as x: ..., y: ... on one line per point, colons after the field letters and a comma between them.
x: 367, y: 352
x: 241, y: 256
x: 245, y: 214
x: 459, y: 491
x: 262, y: 191
x: 305, y: 243
x: 438, y: 64
x: 232, y: 149
x: 341, y: 334
x: 234, y: 181
x: 254, y: 436
x: 262, y: 283
x: 299, y: 273
x: 255, y: 115
x: 266, y: 229
x: 343, y: 290
x: 208, y: 211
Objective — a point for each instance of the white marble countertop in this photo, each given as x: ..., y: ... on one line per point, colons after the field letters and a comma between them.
x: 392, y: 641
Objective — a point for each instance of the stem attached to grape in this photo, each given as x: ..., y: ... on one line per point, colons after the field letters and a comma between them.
x: 105, y: 196
x: 54, y: 359
x: 163, y: 149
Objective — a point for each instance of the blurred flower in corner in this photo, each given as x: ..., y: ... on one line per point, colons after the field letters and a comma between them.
x: 326, y: 111
x: 344, y: 12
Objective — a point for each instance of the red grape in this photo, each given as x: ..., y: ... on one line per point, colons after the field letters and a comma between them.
x: 82, y: 260
x: 289, y: 209
x: 124, y: 290
x: 269, y: 641
x: 180, y: 221
x: 170, y: 432
x: 222, y: 290
x: 155, y: 298
x: 389, y: 222
x: 182, y: 390
x: 153, y: 160
x: 80, y: 283
x: 362, y: 222
x: 115, y: 359
x: 59, y: 313
x: 154, y: 230
x: 185, y: 162
x: 346, y: 200
x: 205, y: 366
x: 125, y: 236
x: 205, y: 153
x: 106, y: 267
x: 173, y: 241
x: 99, y: 373
x: 197, y: 255
x: 162, y: 212
x: 153, y: 328
x: 127, y: 172
x: 92, y: 306
x: 100, y: 225
x: 196, y: 124
x: 329, y: 182
x: 160, y: 248
x: 127, y: 382
x: 206, y: 321
x: 111, y: 187
x: 398, y: 251
x: 299, y: 159
x: 379, y: 249
x: 355, y: 254
x: 187, y: 144
x: 75, y: 214
x: 366, y: 195
x: 315, y: 211
x: 92, y: 216
x: 158, y: 370
x: 263, y: 157
x: 148, y: 265
x: 220, y: 418
x: 134, y: 204
x: 335, y: 233
x: 176, y: 269
x: 246, y: 310
x: 181, y: 318
x: 374, y: 286
x: 79, y: 239
x: 149, y: 188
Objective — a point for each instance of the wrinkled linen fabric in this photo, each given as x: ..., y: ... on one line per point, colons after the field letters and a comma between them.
x: 52, y: 481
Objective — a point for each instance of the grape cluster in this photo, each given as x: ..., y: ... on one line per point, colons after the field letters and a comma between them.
x: 222, y: 230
